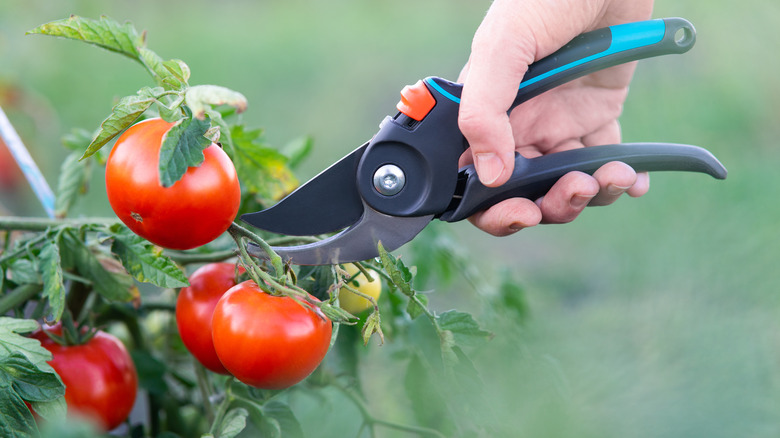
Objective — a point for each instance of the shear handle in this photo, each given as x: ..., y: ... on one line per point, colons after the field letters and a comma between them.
x: 533, y: 177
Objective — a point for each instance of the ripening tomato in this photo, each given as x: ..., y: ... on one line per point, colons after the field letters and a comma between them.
x: 99, y: 376
x: 268, y: 341
x: 192, y: 212
x: 195, y: 306
x: 354, y: 303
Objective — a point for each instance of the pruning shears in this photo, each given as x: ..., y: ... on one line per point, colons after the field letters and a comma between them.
x: 388, y: 189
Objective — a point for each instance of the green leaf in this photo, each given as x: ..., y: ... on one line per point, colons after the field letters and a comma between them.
x: 262, y: 170
x: 159, y: 69
x: 233, y: 423
x: 400, y: 275
x: 11, y: 342
x: 182, y: 148
x: 105, y: 33
x: 124, y: 114
x: 144, y: 261
x: 201, y: 97
x: 23, y: 271
x: 371, y: 326
x: 16, y: 421
x: 415, y: 308
x: 77, y: 140
x: 297, y: 150
x: 178, y: 69
x: 53, y: 286
x: 151, y: 372
x: 284, y: 416
x: 463, y: 326
x: 51, y: 410
x: 17, y: 372
x: 110, y: 285
x: 73, y: 181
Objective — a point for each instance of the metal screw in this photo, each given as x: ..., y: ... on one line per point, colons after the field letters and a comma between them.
x: 389, y: 179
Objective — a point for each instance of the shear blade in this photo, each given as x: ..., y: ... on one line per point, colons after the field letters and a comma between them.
x: 356, y: 243
x: 326, y: 203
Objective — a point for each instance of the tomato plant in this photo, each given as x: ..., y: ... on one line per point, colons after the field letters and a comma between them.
x: 194, y: 309
x: 353, y: 302
x: 192, y: 212
x: 266, y: 341
x: 99, y: 376
x: 173, y: 179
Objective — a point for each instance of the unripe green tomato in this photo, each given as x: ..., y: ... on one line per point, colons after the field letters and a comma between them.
x: 354, y: 303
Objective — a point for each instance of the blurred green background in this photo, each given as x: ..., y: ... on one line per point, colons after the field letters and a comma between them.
x: 654, y: 317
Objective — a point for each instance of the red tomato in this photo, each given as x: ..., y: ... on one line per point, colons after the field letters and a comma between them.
x: 267, y: 341
x: 99, y: 376
x: 195, y: 306
x: 192, y: 212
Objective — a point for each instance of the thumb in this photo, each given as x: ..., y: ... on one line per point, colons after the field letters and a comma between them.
x: 498, y: 61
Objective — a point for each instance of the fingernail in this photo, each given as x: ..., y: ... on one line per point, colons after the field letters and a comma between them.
x: 516, y: 226
x: 615, y: 190
x: 489, y: 167
x: 580, y: 201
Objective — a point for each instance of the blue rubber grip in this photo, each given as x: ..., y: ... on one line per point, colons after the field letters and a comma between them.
x: 593, y: 51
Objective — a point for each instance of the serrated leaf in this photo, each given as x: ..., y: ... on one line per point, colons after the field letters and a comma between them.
x: 182, y: 148
x: 159, y: 70
x: 179, y: 69
x: 16, y: 421
x: 201, y: 97
x: 110, y: 286
x: 463, y: 327
x: 144, y: 261
x: 105, y: 33
x: 415, y: 308
x: 124, y: 114
x: 73, y: 180
x: 233, y: 423
x: 17, y: 372
x: 53, y: 285
x: 399, y: 274
x: 12, y: 342
x: 263, y: 171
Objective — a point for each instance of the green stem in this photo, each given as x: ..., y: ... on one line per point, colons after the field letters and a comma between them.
x: 18, y: 296
x: 42, y: 224
x: 371, y: 420
x: 222, y: 409
x: 205, y: 390
x: 276, y: 260
x: 185, y: 258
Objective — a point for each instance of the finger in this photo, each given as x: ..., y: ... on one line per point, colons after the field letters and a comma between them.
x: 567, y: 198
x: 508, y: 217
x: 614, y: 179
x: 641, y: 186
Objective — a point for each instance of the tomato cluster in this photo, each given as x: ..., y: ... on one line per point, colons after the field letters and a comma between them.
x: 192, y: 212
x: 266, y: 341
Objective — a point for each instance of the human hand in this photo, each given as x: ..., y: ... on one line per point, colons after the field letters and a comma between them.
x: 581, y: 113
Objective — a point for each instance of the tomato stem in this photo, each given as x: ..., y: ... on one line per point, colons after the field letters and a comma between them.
x: 205, y: 390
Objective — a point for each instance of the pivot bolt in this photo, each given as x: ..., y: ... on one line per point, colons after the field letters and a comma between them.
x: 389, y: 179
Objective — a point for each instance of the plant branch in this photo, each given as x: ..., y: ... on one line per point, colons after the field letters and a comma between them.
x: 188, y: 257
x: 42, y: 224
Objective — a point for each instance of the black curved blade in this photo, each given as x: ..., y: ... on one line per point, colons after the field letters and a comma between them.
x: 326, y: 203
x: 356, y: 243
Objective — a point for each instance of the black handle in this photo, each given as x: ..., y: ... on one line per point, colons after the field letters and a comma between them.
x: 533, y: 177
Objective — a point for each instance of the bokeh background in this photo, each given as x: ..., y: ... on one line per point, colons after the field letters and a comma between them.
x: 654, y: 317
